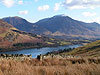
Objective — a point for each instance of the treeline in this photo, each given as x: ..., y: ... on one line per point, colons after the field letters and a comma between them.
x: 20, y: 46
x: 27, y: 44
x: 61, y: 51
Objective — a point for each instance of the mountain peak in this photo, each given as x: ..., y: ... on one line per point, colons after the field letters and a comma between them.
x: 95, y: 23
x: 15, y: 17
x: 61, y: 15
x: 18, y: 23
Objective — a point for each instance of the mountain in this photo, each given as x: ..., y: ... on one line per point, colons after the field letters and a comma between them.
x: 23, y: 25
x: 14, y: 39
x: 61, y: 25
x: 19, y: 23
x: 58, y: 26
x: 91, y: 50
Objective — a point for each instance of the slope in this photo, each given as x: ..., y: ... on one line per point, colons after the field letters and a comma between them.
x: 24, y: 25
x: 91, y: 50
x: 61, y: 25
x: 14, y: 39
x: 58, y: 26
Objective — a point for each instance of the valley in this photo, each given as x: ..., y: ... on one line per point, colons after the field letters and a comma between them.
x: 44, y: 45
x: 49, y: 37
x: 12, y: 39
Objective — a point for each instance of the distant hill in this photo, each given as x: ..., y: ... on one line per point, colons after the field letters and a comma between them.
x: 58, y: 26
x: 24, y: 25
x: 14, y: 39
x: 19, y: 23
x: 61, y: 25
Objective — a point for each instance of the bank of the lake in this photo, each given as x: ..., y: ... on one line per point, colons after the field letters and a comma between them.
x: 37, y: 51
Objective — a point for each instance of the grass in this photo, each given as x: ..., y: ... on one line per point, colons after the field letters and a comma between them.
x: 47, y: 67
x: 2, y: 35
x: 65, y: 43
x: 49, y: 43
x: 91, y: 50
x: 8, y: 31
x: 52, y: 39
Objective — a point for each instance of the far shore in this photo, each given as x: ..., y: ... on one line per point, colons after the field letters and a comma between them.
x: 26, y: 48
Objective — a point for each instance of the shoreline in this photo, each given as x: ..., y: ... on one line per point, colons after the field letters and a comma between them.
x: 14, y: 49
x: 36, y: 51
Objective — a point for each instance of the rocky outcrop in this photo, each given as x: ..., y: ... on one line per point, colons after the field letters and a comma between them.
x: 15, y: 56
x: 58, y: 56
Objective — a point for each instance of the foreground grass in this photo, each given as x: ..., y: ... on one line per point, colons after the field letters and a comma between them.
x: 48, y: 67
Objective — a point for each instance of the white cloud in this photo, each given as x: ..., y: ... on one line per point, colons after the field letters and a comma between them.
x: 43, y: 8
x: 69, y: 1
x: 8, y: 3
x: 20, y: 2
x: 81, y: 4
x: 88, y: 14
x: 57, y: 5
x: 25, y: 12
x: 36, y: 0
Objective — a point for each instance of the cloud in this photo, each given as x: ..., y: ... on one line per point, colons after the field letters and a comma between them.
x: 69, y: 1
x: 8, y: 3
x: 36, y: 0
x: 88, y: 14
x: 81, y: 4
x: 20, y: 2
x: 43, y: 8
x: 57, y: 5
x: 25, y: 12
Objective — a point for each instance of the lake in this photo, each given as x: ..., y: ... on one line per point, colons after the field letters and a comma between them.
x: 37, y: 51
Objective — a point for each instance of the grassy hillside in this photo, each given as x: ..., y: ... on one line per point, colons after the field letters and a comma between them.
x: 91, y: 49
x: 12, y: 38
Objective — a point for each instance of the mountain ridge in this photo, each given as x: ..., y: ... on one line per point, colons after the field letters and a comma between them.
x: 14, y: 39
x: 59, y: 26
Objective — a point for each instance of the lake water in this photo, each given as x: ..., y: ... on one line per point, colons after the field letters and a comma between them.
x: 37, y: 51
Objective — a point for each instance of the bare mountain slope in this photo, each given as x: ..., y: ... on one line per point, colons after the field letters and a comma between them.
x: 58, y: 26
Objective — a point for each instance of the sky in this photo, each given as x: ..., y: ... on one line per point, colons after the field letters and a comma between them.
x: 34, y: 10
